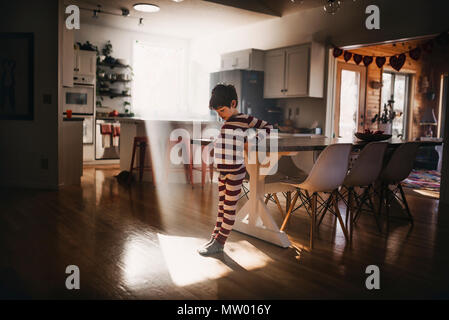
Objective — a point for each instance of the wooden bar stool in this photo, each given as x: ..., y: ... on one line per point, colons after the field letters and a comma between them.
x: 141, y: 143
x: 204, y: 166
x: 187, y: 167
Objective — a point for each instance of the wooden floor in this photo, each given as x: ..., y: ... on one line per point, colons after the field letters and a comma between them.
x: 140, y: 243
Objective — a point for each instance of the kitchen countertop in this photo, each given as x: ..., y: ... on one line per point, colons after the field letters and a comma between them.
x: 73, y: 119
x: 137, y: 119
x: 287, y: 144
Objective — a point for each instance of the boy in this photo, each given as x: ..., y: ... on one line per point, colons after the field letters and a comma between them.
x: 228, y: 156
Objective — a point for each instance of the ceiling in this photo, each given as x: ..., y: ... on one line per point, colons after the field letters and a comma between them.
x: 190, y: 18
x: 271, y: 7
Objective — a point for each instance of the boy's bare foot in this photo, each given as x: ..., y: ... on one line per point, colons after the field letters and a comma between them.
x: 213, y: 248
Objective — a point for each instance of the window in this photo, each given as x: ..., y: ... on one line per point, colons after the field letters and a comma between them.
x: 159, y: 81
x: 396, y: 87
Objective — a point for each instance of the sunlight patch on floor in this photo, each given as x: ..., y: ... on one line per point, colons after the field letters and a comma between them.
x: 428, y: 193
x: 141, y: 261
x: 187, y: 267
x: 247, y: 255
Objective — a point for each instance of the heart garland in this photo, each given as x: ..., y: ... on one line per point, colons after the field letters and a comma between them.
x: 367, y: 60
x: 337, y: 52
x: 380, y: 61
x: 397, y: 62
x: 357, y: 58
x: 347, y: 55
x: 415, y: 53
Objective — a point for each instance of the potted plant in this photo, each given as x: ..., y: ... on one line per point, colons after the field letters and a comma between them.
x: 385, y: 119
x: 127, y: 110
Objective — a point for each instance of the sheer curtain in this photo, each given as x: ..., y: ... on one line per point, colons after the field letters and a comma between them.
x: 159, y: 81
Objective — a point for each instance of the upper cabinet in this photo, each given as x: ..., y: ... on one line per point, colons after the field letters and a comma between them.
x: 295, y: 71
x: 85, y: 63
x: 250, y: 59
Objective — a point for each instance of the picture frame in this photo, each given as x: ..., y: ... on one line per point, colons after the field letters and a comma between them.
x: 16, y: 76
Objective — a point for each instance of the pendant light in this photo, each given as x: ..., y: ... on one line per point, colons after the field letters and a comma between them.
x: 146, y: 7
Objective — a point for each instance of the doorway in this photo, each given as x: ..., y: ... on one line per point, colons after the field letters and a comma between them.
x: 349, y: 100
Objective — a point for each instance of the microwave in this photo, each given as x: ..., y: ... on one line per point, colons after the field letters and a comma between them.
x: 80, y: 99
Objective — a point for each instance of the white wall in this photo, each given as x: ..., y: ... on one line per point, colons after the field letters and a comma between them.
x: 399, y: 19
x: 122, y: 47
x: 24, y: 144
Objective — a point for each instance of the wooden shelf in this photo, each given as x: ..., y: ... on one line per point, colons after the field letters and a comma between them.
x: 112, y: 81
x: 113, y: 95
x: 115, y: 65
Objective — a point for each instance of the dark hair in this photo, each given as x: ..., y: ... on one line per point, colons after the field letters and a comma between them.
x: 222, y: 95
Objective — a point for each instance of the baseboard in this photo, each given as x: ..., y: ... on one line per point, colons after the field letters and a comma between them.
x: 28, y: 185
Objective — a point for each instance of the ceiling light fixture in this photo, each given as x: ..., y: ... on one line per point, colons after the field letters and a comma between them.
x: 332, y: 6
x: 146, y: 7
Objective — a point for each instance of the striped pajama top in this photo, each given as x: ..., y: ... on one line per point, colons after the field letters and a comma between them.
x: 229, y: 146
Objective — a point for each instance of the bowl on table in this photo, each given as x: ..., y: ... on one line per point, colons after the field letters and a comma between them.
x: 365, y: 136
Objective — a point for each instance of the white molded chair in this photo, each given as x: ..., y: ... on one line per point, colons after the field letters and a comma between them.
x: 363, y: 174
x: 397, y: 169
x: 326, y: 176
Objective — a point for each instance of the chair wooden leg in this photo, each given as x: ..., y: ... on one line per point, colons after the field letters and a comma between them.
x: 141, y: 159
x: 131, y: 167
x: 191, y: 165
x: 203, y: 168
x: 290, y: 209
x: 387, y: 205
x: 267, y: 198
x: 313, y: 219
x: 349, y: 213
x: 404, y: 200
x: 334, y: 196
x: 347, y: 209
x: 276, y: 199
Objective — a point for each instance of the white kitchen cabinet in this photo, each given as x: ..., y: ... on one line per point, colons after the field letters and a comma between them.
x: 296, y: 71
x: 249, y: 59
x: 85, y: 63
x: 274, y: 73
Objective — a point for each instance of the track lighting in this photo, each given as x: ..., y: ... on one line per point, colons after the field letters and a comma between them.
x: 332, y: 6
x: 125, y: 12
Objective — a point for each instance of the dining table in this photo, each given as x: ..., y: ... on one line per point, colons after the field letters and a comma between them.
x: 254, y: 217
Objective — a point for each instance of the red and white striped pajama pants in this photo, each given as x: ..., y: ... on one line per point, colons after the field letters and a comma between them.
x: 229, y: 187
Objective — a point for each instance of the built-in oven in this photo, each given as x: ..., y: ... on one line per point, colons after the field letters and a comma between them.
x: 80, y: 99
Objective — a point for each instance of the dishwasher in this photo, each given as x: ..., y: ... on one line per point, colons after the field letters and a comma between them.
x: 107, y: 141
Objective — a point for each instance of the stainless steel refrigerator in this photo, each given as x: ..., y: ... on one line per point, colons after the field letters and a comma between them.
x: 249, y: 87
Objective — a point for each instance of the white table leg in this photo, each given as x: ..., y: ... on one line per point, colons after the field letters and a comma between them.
x: 254, y: 218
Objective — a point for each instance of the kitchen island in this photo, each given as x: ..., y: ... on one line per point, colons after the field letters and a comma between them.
x: 158, y: 133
